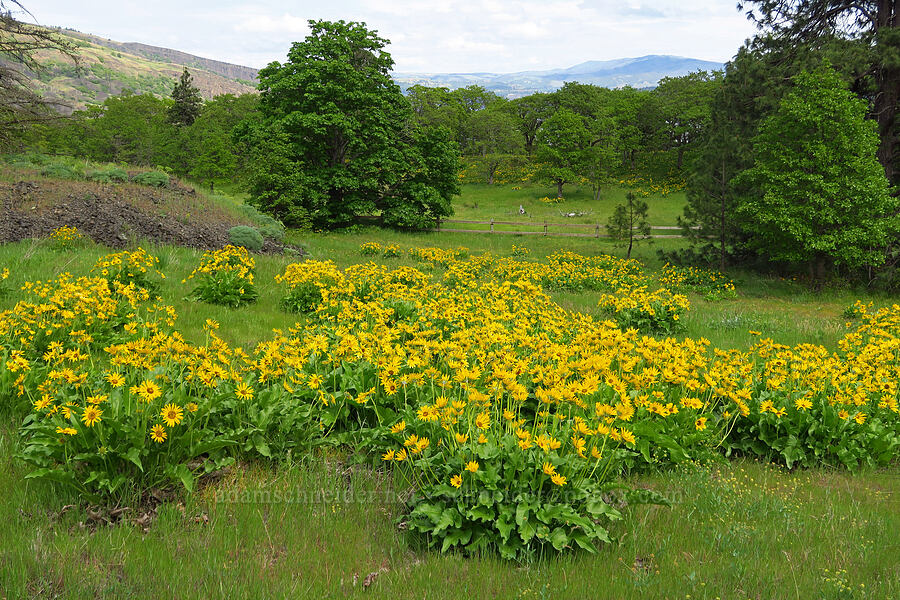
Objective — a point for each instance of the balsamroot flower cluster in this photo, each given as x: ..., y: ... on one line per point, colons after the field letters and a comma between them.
x: 509, y: 417
x: 225, y: 277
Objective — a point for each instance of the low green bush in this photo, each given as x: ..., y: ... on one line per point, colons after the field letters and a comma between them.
x: 246, y: 237
x: 152, y: 178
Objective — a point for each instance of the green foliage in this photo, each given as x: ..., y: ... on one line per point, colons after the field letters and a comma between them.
x: 152, y: 178
x: 108, y: 175
x: 246, y: 237
x: 270, y: 228
x: 629, y: 220
x: 225, y: 277
x: 335, y: 141
x: 823, y: 195
x: 186, y: 101
x: 114, y: 456
x: 61, y: 171
x: 563, y: 145
x: 814, y: 434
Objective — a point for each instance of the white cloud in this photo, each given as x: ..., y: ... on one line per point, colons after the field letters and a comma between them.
x: 426, y: 35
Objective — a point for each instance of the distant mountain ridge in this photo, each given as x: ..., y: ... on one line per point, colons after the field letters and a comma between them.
x: 107, y: 67
x: 639, y: 72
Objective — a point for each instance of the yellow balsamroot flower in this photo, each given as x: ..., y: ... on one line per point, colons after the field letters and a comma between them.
x: 549, y: 469
x: 421, y: 445
x: 66, y: 430
x: 483, y: 420
x: 91, y: 415
x: 456, y: 481
x: 400, y: 455
x: 389, y: 455
x: 700, y: 424
x: 482, y: 439
x: 158, y: 434
x: 398, y: 427
x: 314, y: 381
x: 843, y: 414
x: 191, y: 407
x: 461, y: 438
x: 243, y: 391
x: 116, y: 380
x: 97, y: 399
x: 628, y: 437
x: 802, y: 404
x: 172, y: 414
x: 472, y: 466
x: 149, y: 391
x: 558, y: 479
x: 860, y: 418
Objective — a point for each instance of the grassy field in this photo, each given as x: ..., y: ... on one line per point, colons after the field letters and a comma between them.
x: 480, y: 202
x: 317, y: 529
x: 317, y: 526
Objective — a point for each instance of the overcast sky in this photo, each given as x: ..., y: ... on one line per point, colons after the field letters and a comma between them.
x: 438, y: 36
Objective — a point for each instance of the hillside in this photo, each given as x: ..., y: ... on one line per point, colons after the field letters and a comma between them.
x: 639, y: 72
x: 106, y: 68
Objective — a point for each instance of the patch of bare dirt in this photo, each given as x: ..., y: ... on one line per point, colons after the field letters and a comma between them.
x: 116, y: 215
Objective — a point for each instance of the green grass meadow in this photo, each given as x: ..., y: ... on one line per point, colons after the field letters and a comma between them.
x: 319, y: 526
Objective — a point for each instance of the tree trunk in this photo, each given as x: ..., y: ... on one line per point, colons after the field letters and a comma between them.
x: 724, y: 191
x: 559, y: 185
x: 597, y: 193
x: 680, y: 156
x: 888, y: 82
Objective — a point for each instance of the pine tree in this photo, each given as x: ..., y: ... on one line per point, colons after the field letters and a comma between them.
x: 628, y: 220
x: 187, y: 101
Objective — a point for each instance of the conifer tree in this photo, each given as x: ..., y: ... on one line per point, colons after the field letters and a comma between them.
x: 187, y: 101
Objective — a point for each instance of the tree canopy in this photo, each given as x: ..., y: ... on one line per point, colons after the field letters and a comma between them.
x: 824, y: 195
x: 186, y: 101
x: 338, y: 138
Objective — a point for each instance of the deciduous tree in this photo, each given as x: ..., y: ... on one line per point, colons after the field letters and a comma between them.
x: 823, y: 194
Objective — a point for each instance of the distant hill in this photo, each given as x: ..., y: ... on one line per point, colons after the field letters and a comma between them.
x: 107, y: 67
x: 640, y: 72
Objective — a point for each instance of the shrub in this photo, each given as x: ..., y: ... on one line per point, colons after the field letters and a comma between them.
x: 650, y: 312
x: 246, y: 237
x: 713, y: 285
x: 392, y: 251
x: 370, y: 249
x: 66, y: 238
x: 309, y: 283
x: 127, y: 268
x: 225, y: 277
x: 151, y: 178
x: 273, y: 231
x: 61, y: 170
x: 269, y: 227
x: 107, y: 175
